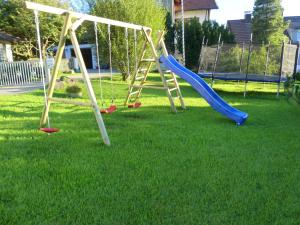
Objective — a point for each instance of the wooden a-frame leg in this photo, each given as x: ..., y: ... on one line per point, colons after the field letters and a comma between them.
x: 60, y: 51
x: 89, y: 88
x: 154, y: 52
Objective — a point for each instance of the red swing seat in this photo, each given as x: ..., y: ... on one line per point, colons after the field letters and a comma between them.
x: 135, y: 105
x: 109, y: 110
x: 49, y: 130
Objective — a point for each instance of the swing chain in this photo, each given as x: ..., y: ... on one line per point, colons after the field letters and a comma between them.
x: 127, y: 52
x: 110, y: 63
x: 98, y: 62
x: 38, y: 37
x: 135, y: 51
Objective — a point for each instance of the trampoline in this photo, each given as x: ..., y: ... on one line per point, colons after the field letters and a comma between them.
x: 242, y: 77
x: 248, y: 62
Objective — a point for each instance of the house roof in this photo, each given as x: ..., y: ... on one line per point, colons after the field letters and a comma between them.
x: 241, y: 30
x: 8, y: 38
x: 294, y: 21
x: 190, y: 5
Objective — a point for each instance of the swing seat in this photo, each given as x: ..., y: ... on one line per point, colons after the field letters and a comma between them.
x: 109, y: 110
x: 49, y: 130
x: 135, y: 105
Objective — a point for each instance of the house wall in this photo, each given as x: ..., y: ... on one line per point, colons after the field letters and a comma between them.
x: 2, y: 53
x: 6, y: 54
x: 201, y: 14
x: 69, y: 48
x: 9, y: 53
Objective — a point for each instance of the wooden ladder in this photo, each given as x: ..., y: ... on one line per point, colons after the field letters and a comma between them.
x: 169, y: 81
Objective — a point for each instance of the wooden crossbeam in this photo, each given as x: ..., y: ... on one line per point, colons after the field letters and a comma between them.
x: 59, y: 11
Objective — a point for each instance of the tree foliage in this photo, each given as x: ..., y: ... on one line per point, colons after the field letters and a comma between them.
x: 268, y: 23
x: 195, y: 32
x: 144, y: 12
x: 17, y: 20
x: 230, y: 59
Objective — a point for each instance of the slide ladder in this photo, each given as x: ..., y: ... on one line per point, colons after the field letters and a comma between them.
x: 138, y: 80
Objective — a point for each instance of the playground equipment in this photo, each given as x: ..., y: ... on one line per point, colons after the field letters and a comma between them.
x: 72, y: 21
x: 48, y: 129
x: 112, y: 108
x: 205, y: 90
x: 248, y: 62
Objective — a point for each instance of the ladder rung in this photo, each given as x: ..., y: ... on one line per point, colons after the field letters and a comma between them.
x: 148, y: 60
x: 170, y: 80
x: 142, y: 70
x: 133, y: 93
x: 149, y: 87
x: 139, y: 78
x: 168, y: 71
x: 173, y: 89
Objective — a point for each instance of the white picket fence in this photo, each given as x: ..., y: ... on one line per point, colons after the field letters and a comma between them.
x: 22, y: 73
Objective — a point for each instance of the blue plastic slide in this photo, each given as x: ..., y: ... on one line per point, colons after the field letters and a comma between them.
x: 215, y: 101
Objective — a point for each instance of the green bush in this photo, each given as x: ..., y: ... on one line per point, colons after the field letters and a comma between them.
x: 143, y: 12
x: 73, y: 89
x: 229, y: 60
x: 194, y: 33
x: 297, y: 76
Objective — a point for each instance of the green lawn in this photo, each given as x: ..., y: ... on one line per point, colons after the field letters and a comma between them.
x: 195, y: 167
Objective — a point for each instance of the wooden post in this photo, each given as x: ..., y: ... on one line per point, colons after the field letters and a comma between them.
x: 89, y: 88
x: 59, y: 54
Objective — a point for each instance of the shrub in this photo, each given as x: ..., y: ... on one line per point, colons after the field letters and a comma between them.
x: 73, y: 89
x: 194, y: 33
x: 229, y: 60
x: 297, y: 76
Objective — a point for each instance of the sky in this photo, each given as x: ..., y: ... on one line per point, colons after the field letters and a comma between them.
x: 234, y: 9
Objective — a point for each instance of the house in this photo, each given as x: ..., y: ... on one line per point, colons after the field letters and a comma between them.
x: 293, y: 32
x: 192, y: 8
x: 88, y: 52
x: 6, y: 41
x: 241, y: 28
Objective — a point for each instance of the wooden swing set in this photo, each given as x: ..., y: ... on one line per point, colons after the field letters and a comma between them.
x: 72, y: 21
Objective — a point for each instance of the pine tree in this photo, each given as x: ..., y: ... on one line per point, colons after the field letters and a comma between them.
x: 268, y: 23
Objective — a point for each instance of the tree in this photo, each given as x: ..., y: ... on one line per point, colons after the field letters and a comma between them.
x: 268, y: 23
x: 170, y: 34
x: 194, y: 34
x: 144, y: 12
x: 19, y: 21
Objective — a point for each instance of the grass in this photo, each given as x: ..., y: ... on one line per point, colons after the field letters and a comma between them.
x: 195, y: 167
